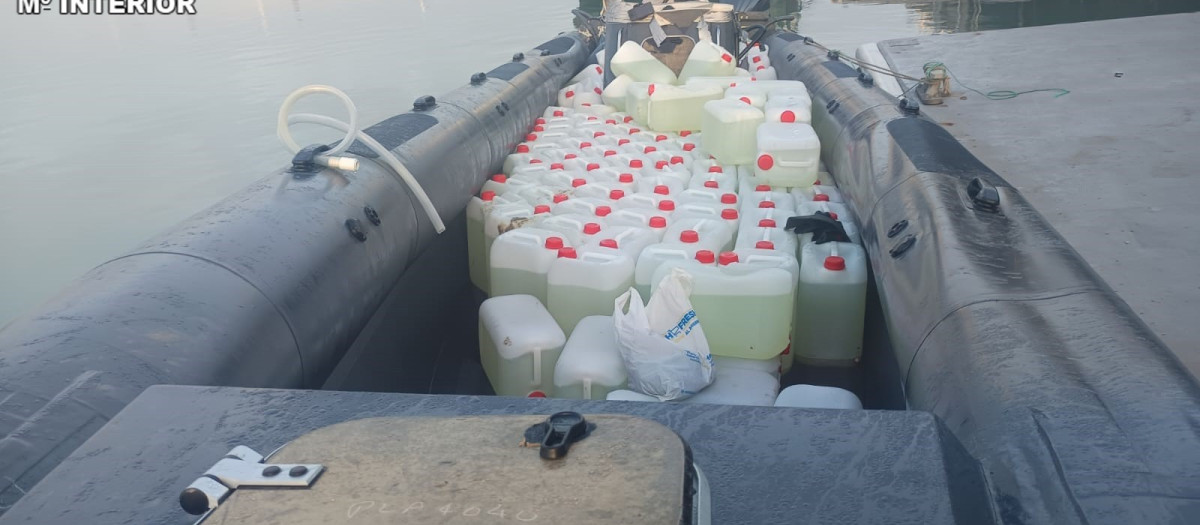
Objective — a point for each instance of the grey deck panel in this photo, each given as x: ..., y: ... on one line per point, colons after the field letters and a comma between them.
x: 1114, y: 166
x: 764, y: 464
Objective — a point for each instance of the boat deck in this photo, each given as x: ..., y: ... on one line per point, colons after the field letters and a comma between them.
x: 764, y: 464
x: 1112, y: 165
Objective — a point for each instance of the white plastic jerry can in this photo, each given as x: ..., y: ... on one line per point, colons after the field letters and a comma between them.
x: 520, y: 260
x: 707, y: 59
x: 597, y: 189
x: 614, y: 93
x: 755, y: 58
x: 568, y: 225
x: 748, y: 93
x: 717, y: 180
x: 762, y: 218
x: 503, y: 184
x: 654, y: 256
x: 630, y: 240
x: 477, y: 259
x: 748, y: 307
x: 637, y: 102
x: 502, y: 218
x: 699, y: 210
x: 661, y: 185
x: 757, y: 50
x: 651, y: 219
x: 674, y: 108
x: 788, y: 154
x: 765, y: 197
x: 728, y: 130
x: 812, y: 396
x: 818, y: 193
x: 784, y: 88
x: 708, y: 233
x: 767, y: 238
x: 566, y: 95
x: 586, y: 206
x: 831, y: 304
x: 523, y: 156
x: 596, y: 109
x: 588, y: 95
x: 543, y: 194
x: 631, y: 59
x: 738, y: 386
x: 558, y: 111
x: 782, y: 260
x: 691, y: 146
x: 712, y: 197
x: 586, y: 282
x: 590, y: 365
x: 764, y: 73
x: 723, y: 82
x: 519, y: 345
x: 591, y: 71
x: 789, y: 109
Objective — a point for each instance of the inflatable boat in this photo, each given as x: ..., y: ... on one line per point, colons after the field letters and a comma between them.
x: 1003, y: 381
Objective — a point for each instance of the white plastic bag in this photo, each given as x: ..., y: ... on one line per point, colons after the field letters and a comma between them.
x: 662, y: 343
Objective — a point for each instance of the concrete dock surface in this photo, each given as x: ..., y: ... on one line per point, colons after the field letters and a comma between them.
x: 1114, y: 165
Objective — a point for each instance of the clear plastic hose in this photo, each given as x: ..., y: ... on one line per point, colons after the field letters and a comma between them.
x: 331, y: 159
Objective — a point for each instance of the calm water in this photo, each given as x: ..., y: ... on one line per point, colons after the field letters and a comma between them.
x: 117, y: 127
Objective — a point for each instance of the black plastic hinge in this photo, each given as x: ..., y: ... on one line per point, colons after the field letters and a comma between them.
x: 910, y: 106
x: 517, y: 57
x: 478, y: 78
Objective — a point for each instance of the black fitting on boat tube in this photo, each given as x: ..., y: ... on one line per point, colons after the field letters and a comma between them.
x: 424, y: 102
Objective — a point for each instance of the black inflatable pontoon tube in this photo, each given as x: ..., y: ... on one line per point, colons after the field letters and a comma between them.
x: 1075, y: 410
x: 267, y: 288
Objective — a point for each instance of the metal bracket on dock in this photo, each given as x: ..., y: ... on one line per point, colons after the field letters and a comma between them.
x: 243, y: 467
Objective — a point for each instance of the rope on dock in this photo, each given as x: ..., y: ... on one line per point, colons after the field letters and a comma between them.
x: 999, y: 94
x: 928, y: 69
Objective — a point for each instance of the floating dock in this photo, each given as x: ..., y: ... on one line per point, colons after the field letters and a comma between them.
x: 1113, y: 165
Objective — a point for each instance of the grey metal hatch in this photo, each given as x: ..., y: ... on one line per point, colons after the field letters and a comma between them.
x: 477, y: 469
